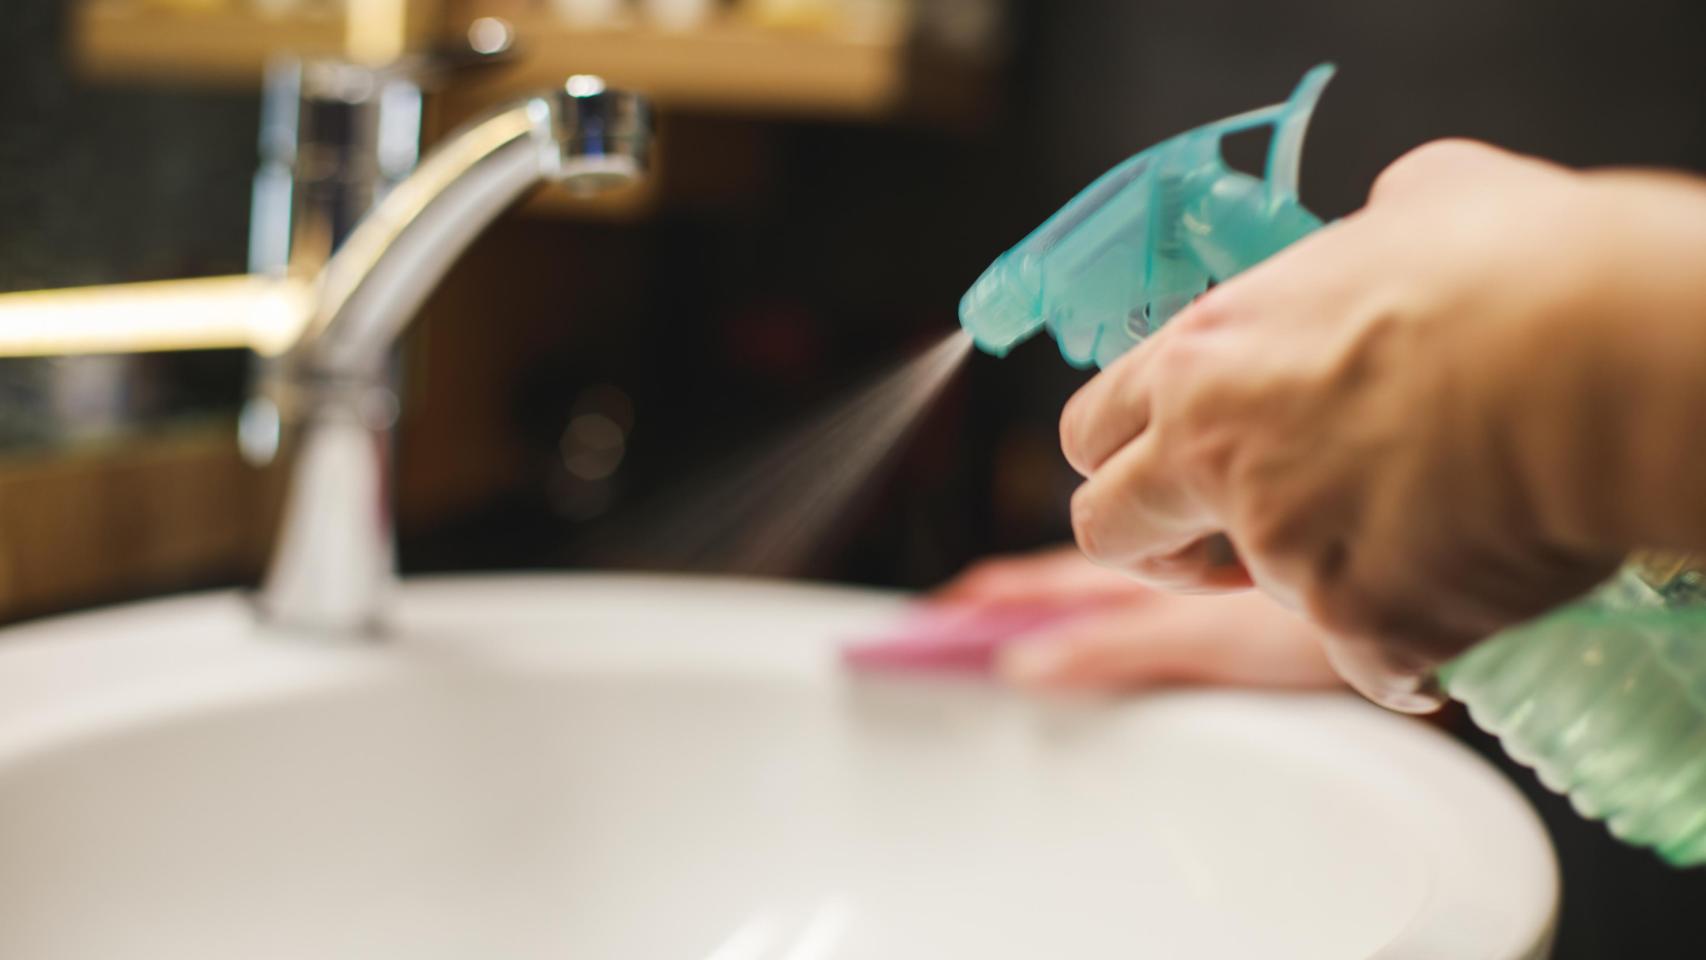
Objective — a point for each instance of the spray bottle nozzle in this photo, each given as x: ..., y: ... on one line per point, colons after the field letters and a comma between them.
x: 1146, y: 238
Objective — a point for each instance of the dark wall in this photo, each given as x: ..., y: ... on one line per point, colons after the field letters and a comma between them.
x: 101, y: 183
x: 1582, y: 82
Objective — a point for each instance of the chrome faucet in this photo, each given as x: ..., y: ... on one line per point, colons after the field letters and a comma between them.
x: 333, y: 564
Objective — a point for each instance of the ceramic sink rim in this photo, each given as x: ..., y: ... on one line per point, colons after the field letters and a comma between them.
x: 69, y: 678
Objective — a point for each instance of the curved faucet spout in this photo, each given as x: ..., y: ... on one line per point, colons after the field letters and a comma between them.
x: 333, y: 564
x: 585, y: 136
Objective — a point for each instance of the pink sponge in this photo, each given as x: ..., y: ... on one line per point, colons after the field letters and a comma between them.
x: 958, y: 639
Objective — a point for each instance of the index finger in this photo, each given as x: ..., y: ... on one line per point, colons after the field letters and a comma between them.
x: 1106, y: 413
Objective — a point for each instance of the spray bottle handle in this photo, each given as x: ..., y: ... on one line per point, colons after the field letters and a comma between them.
x: 1245, y: 220
x: 1147, y: 237
x: 1244, y: 224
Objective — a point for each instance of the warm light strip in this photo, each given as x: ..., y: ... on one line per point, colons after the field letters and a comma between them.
x: 375, y: 32
x: 257, y: 313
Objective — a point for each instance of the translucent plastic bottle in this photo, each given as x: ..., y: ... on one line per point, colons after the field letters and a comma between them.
x: 1606, y: 698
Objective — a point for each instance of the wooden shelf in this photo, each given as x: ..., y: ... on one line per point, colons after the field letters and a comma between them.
x: 728, y: 65
x: 133, y: 515
x: 115, y: 39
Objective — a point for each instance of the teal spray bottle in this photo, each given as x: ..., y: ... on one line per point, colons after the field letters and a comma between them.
x: 1604, y: 698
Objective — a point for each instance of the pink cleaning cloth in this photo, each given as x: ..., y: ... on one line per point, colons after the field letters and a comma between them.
x: 953, y: 639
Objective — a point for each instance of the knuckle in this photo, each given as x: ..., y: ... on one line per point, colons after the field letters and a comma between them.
x: 1202, y: 452
x: 1197, y: 466
x: 1072, y: 433
x: 1422, y: 163
x: 1212, y: 310
x: 1173, y: 387
x: 1190, y: 383
x: 1084, y: 524
x: 1171, y: 351
x: 1445, y: 149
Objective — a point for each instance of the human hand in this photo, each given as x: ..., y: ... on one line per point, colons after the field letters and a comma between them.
x: 1394, y: 422
x: 1129, y: 635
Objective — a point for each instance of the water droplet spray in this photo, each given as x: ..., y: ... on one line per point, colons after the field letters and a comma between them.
x: 770, y: 509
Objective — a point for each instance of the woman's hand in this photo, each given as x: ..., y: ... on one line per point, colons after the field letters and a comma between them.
x: 1419, y: 424
x: 1132, y: 636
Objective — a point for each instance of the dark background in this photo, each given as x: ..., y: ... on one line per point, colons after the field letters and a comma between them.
x: 721, y: 323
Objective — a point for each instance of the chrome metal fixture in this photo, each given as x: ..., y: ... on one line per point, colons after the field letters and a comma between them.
x: 333, y: 563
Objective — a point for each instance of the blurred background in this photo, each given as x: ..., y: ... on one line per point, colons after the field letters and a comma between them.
x: 830, y: 175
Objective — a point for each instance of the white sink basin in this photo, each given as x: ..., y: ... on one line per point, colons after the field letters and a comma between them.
x: 613, y: 768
